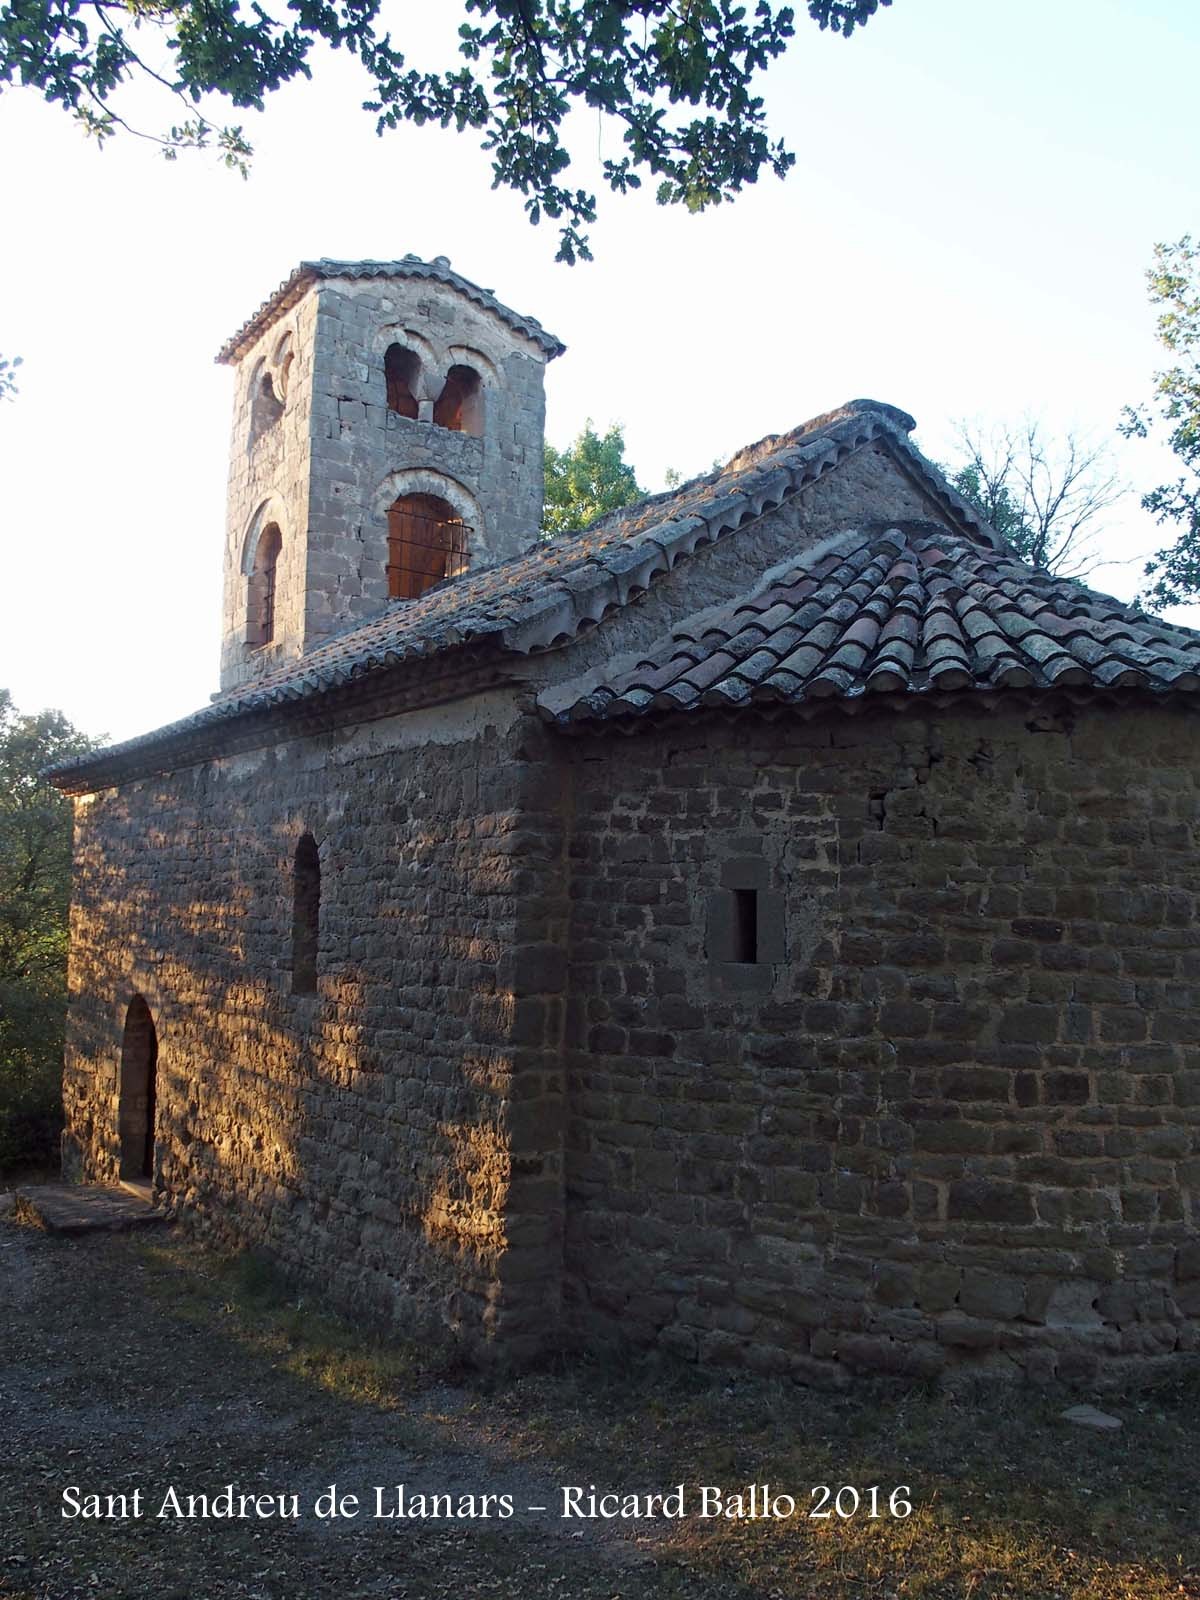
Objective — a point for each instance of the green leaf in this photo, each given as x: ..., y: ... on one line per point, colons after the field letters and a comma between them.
x: 1174, y: 283
x: 522, y: 66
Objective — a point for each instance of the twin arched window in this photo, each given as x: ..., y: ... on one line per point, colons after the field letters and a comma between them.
x: 268, y: 388
x: 266, y: 406
x: 459, y: 406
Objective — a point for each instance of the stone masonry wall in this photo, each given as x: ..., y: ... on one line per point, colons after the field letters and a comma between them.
x: 959, y: 1121
x: 364, y: 455
x: 328, y: 468
x: 269, y: 469
x: 364, y: 1134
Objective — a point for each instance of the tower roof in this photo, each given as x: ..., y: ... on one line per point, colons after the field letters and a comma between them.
x: 438, y: 270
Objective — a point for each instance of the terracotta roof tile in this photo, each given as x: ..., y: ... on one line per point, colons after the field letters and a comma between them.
x: 909, y: 611
x: 557, y: 591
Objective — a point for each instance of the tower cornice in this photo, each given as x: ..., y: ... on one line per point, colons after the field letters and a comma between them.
x: 439, y: 270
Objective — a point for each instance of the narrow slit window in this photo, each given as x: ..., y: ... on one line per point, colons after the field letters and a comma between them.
x: 745, y: 926
x: 306, y: 916
x: 260, y: 608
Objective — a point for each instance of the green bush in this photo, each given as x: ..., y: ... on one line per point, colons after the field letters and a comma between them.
x: 31, y: 1040
x: 35, y: 888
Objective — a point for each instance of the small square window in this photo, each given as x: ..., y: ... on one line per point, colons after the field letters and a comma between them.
x: 745, y: 926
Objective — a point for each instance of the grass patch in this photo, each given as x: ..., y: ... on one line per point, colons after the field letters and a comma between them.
x: 249, y: 1299
x: 1008, y: 1499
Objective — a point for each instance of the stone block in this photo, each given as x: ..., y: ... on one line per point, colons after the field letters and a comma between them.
x: 985, y: 1200
x: 1028, y: 1025
x: 991, y: 1294
x: 937, y: 1287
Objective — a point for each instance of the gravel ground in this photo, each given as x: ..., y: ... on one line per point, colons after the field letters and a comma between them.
x: 104, y: 1390
x: 146, y: 1363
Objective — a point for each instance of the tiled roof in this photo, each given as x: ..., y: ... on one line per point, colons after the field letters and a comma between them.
x: 440, y: 270
x: 560, y: 589
x: 903, y: 611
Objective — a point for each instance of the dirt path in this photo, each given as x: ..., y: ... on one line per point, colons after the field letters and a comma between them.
x: 104, y: 1390
x: 138, y: 1364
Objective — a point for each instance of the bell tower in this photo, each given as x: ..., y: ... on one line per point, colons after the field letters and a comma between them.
x: 388, y: 427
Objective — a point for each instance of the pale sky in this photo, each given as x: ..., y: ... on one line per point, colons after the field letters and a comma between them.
x: 978, y: 189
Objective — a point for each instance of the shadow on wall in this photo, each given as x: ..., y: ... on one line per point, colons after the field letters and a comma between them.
x: 332, y: 1095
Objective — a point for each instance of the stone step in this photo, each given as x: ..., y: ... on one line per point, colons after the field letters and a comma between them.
x: 74, y: 1208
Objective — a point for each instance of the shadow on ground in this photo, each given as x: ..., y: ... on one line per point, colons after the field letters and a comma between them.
x: 136, y: 1364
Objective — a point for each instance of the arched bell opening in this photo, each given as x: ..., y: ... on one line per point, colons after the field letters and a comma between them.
x: 402, y: 369
x: 427, y: 542
x: 260, y: 597
x: 459, y: 407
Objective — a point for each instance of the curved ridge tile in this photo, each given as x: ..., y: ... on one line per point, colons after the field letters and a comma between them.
x: 552, y: 592
x: 905, y: 613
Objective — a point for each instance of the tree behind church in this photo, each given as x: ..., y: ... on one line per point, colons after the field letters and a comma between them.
x: 1046, y: 496
x: 35, y: 890
x: 1174, y: 282
x: 587, y: 479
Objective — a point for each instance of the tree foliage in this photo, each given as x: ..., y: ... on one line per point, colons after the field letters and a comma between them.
x: 35, y: 888
x: 675, y: 75
x: 587, y: 479
x: 1174, y: 282
x: 1047, y: 498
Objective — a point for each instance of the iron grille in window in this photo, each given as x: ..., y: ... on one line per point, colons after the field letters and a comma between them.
x: 426, y: 543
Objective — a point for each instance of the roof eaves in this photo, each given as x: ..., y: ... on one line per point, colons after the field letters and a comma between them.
x: 581, y: 595
x: 584, y: 722
x: 307, y: 273
x: 249, y: 706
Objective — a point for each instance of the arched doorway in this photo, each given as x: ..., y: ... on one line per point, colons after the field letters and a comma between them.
x: 139, y: 1063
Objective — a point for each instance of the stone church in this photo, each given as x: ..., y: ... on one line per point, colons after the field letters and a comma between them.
x: 761, y: 926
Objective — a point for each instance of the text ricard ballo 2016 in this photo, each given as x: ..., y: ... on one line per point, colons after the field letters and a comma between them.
x: 751, y: 1502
